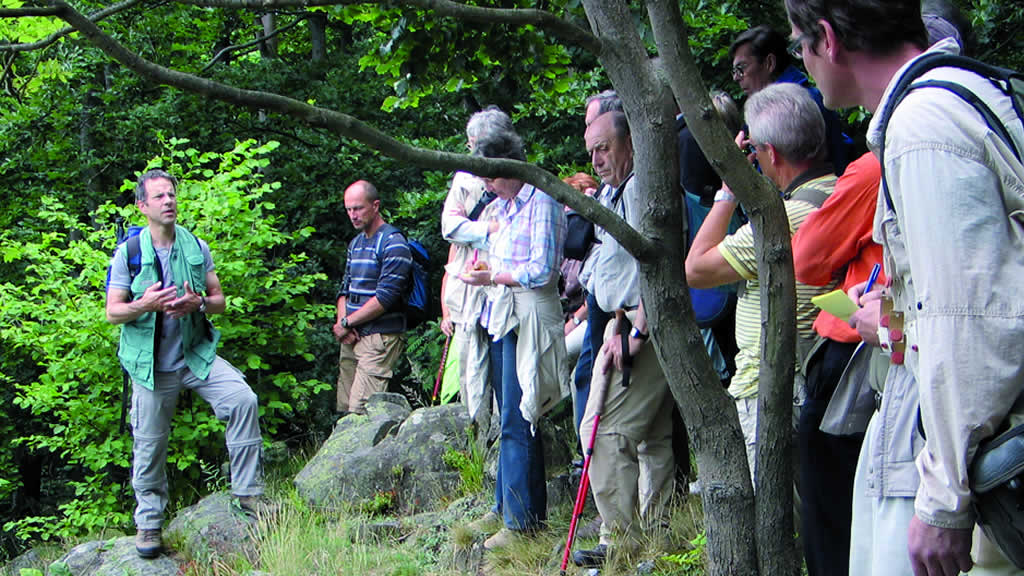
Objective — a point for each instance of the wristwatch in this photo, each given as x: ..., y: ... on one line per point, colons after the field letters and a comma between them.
x: 344, y: 322
x: 576, y: 321
x: 202, y: 304
x: 637, y: 334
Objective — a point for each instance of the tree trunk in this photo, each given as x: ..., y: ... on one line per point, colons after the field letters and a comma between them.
x: 318, y: 36
x: 86, y: 142
x: 268, y: 47
x: 716, y: 440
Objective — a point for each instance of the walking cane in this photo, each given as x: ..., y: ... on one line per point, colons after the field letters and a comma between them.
x: 581, y: 493
x: 440, y: 370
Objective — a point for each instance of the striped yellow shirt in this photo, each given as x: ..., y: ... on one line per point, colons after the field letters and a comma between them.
x: 738, y: 251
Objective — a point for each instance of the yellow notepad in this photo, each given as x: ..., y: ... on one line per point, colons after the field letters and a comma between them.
x: 836, y: 303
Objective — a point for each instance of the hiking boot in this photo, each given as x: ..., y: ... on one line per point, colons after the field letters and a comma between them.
x: 487, y: 524
x: 593, y: 558
x: 257, y: 506
x: 502, y: 539
x: 590, y: 529
x: 148, y: 543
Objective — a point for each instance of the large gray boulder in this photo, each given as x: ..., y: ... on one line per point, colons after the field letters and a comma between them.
x: 115, y: 557
x: 391, y: 453
x: 214, y: 528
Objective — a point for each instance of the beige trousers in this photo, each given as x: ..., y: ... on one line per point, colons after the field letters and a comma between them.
x: 365, y: 369
x: 631, y: 471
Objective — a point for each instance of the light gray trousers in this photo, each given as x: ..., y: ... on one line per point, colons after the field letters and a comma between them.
x: 152, y: 410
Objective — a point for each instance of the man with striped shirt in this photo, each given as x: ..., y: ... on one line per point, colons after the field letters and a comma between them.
x: 788, y: 135
x: 371, y: 307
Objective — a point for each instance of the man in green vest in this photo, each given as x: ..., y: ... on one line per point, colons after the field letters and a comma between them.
x: 161, y: 300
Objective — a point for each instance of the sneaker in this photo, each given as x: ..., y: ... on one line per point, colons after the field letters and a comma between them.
x: 593, y: 558
x: 257, y: 506
x: 148, y: 543
x: 487, y: 524
x: 502, y: 539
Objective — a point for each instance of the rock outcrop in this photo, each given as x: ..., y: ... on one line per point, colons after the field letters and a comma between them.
x: 390, y: 453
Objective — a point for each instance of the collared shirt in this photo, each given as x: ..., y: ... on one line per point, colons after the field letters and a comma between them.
x: 529, y: 244
x: 954, y: 250
x: 614, y: 279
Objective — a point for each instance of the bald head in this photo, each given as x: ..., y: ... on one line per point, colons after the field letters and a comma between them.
x: 363, y: 206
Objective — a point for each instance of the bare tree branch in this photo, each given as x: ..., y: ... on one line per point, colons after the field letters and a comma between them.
x: 564, y: 30
x: 95, y: 17
x: 227, y: 50
x: 27, y: 11
x: 347, y: 126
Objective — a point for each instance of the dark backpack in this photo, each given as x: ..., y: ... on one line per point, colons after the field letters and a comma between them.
x: 134, y: 252
x: 709, y: 304
x: 417, y: 302
x: 1009, y: 82
x: 417, y: 292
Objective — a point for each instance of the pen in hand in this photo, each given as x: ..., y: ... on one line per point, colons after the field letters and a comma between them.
x: 871, y: 282
x: 872, y: 277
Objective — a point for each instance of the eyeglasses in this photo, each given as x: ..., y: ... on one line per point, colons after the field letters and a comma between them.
x: 739, y: 70
x: 796, y: 45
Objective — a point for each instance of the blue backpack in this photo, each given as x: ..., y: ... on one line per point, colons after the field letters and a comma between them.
x: 417, y: 293
x: 709, y: 304
x: 131, y: 236
x: 417, y: 303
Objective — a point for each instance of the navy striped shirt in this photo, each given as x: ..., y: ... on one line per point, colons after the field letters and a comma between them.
x: 380, y: 266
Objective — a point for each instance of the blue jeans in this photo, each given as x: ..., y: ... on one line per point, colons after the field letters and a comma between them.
x: 597, y: 319
x: 494, y: 360
x: 520, y: 494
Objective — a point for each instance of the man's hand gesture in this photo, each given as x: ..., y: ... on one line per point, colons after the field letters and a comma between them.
x: 187, y: 304
x: 156, y: 298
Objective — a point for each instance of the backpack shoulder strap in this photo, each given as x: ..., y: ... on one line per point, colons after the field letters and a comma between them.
x: 387, y: 231
x: 811, y: 194
x: 133, y: 252
x: 486, y: 198
x: 1006, y: 80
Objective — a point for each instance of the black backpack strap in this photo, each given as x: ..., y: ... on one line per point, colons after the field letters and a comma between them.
x: 133, y: 252
x: 1001, y: 78
x: 482, y: 203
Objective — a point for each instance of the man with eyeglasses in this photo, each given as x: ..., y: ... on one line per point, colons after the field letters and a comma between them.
x: 948, y: 221
x: 788, y: 135
x: 760, y: 57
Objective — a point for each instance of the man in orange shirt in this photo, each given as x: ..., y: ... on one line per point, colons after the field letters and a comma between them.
x: 836, y: 236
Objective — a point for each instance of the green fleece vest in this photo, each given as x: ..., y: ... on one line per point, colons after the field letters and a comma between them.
x: 199, y: 337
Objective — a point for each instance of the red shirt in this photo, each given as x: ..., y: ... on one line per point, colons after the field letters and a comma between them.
x: 839, y: 234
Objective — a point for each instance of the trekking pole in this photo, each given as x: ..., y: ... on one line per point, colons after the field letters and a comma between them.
x: 581, y: 493
x: 440, y: 370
